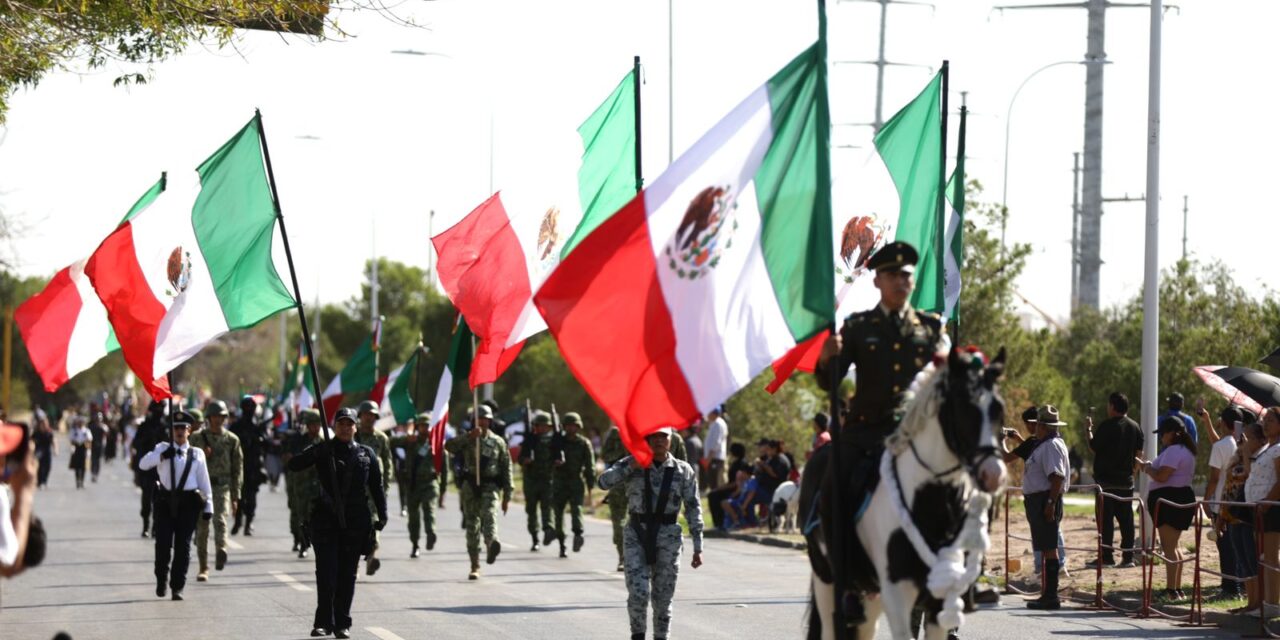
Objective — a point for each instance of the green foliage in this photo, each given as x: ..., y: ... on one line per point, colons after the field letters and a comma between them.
x: 787, y: 415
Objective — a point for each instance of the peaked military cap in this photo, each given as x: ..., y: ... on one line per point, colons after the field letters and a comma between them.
x: 541, y: 417
x: 368, y: 406
x: 895, y: 256
x: 572, y: 418
x: 216, y: 408
x: 310, y: 416
x: 183, y: 419
x: 345, y: 413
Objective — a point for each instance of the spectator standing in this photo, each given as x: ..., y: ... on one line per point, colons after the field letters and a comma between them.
x: 1115, y: 443
x: 1023, y: 448
x: 1043, y: 483
x: 1175, y: 402
x: 716, y: 446
x: 1236, y: 523
x: 694, y: 449
x: 1224, y: 449
x: 1171, y: 473
x: 821, y: 437
x: 772, y: 469
x: 1261, y: 486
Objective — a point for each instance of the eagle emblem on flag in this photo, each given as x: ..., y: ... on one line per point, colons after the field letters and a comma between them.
x: 548, y: 234
x: 702, y: 235
x: 179, y: 271
x: 861, y: 237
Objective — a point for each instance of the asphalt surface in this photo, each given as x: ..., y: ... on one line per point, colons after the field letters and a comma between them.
x: 97, y: 582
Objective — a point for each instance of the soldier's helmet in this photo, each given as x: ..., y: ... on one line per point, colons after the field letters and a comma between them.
x: 197, y: 415
x: 310, y: 416
x: 571, y: 418
x: 368, y: 406
x: 345, y: 413
x: 486, y: 411
x: 215, y: 408
x: 423, y: 418
x: 249, y: 403
x: 541, y: 417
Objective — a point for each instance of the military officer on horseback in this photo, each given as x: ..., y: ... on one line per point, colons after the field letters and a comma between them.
x: 888, y: 345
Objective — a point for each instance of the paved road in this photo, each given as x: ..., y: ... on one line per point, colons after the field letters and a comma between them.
x: 97, y: 583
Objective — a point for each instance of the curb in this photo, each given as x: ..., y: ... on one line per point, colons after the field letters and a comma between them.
x: 754, y: 538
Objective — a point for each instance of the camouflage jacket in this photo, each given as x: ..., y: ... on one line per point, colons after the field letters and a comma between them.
x: 538, y: 469
x: 381, y: 445
x: 612, y: 450
x: 223, y: 456
x: 684, y: 490
x: 495, y: 460
x: 579, y: 461
x: 419, y: 463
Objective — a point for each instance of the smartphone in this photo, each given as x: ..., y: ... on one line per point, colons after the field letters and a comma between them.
x: 1199, y: 404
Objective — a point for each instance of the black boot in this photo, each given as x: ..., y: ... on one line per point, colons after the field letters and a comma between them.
x: 431, y: 540
x: 1049, y: 599
x: 535, y: 546
x: 235, y: 528
x: 146, y: 527
x: 248, y: 525
x: 563, y: 553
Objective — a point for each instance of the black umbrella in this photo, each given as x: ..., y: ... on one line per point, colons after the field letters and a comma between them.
x: 1263, y: 388
x: 1272, y: 360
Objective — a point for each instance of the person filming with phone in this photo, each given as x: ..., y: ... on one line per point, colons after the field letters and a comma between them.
x: 1115, y: 442
x: 21, y: 540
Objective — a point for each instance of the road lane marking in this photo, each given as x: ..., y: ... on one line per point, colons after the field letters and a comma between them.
x: 234, y: 545
x: 290, y: 580
x: 383, y: 633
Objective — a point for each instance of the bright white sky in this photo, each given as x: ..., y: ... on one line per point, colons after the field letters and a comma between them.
x: 358, y: 134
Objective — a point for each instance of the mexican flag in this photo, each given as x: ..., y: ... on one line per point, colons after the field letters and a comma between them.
x: 953, y: 261
x: 359, y: 376
x: 492, y: 261
x: 397, y: 400
x: 193, y: 263
x: 299, y: 390
x: 894, y: 194
x: 716, y: 269
x: 457, y: 367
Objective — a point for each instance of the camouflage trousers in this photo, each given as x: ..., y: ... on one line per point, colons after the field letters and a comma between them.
x: 300, y: 500
x: 422, y: 510
x: 537, y: 501
x: 654, y: 583
x: 568, y: 495
x: 617, y: 501
x: 479, y: 515
x: 221, y: 508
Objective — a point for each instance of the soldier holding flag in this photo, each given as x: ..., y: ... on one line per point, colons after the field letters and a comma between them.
x: 480, y: 499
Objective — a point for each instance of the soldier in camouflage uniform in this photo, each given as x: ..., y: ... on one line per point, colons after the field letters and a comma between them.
x: 480, y: 501
x: 573, y: 476
x: 653, y: 539
x: 381, y: 445
x: 302, y: 486
x: 536, y: 458
x: 226, y: 468
x: 611, y: 451
x: 423, y: 486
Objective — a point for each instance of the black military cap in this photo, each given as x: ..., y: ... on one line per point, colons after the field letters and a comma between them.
x: 183, y: 419
x: 895, y: 256
x: 345, y: 413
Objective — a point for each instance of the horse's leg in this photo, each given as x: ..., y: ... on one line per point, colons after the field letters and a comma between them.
x: 898, y: 598
x: 824, y: 601
x: 873, y: 608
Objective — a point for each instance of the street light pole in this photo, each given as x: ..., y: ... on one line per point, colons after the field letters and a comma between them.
x: 1008, y: 116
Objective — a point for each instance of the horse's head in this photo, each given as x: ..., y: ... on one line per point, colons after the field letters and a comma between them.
x: 970, y: 414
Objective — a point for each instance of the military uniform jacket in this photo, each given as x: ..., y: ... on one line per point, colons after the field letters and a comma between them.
x: 579, y: 461
x: 540, y: 459
x: 612, y: 450
x: 349, y: 483
x: 381, y: 445
x: 684, y: 491
x: 420, y: 464
x: 225, y: 460
x: 253, y: 446
x: 150, y: 433
x: 888, y: 350
x: 495, y: 460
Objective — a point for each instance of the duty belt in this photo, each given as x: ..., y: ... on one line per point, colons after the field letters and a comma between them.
x: 666, y: 518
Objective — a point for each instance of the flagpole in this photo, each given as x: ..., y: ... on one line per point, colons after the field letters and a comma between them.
x: 475, y: 412
x: 297, y: 296
x: 173, y: 473
x: 417, y: 378
x: 940, y: 231
x: 635, y: 84
x: 957, y: 202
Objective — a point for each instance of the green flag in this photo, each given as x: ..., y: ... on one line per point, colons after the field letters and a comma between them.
x: 607, y: 177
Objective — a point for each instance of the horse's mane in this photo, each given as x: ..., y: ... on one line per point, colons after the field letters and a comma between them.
x: 925, y: 394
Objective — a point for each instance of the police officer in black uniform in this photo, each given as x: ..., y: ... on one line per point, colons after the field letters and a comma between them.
x: 151, y: 432
x: 341, y: 529
x: 253, y: 444
x: 888, y: 344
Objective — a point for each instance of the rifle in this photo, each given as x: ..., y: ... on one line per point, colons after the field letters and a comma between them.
x: 529, y: 445
x: 557, y: 437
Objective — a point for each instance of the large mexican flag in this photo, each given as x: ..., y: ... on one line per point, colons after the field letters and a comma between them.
x: 456, y: 368
x: 358, y: 378
x: 398, y: 400
x: 194, y: 263
x: 716, y: 269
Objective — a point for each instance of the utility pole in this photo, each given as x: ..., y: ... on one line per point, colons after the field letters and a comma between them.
x: 1184, y: 228
x: 1091, y: 175
x: 1075, y: 232
x: 881, y: 62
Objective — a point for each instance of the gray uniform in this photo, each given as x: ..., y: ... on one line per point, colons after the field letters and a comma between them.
x: 651, y: 574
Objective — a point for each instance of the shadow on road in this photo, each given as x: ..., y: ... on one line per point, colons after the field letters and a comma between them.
x: 486, y: 609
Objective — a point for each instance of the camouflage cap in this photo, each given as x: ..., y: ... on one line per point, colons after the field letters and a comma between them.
x: 216, y: 408
x: 541, y: 417
x: 310, y: 416
x: 423, y: 418
x: 571, y: 418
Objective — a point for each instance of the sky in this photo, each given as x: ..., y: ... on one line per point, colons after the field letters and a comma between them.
x: 367, y: 143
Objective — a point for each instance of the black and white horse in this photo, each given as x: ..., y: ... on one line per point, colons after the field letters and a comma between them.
x: 925, y: 527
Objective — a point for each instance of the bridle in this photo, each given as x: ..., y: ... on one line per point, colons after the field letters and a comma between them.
x: 968, y: 456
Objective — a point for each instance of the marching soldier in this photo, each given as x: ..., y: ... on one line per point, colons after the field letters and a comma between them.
x: 611, y: 451
x: 350, y: 478
x: 423, y: 486
x: 480, y: 500
x: 574, y: 474
x: 253, y: 445
x: 888, y: 345
x: 226, y: 470
x: 677, y: 447
x: 536, y: 458
x: 302, y: 486
x: 183, y: 495
x: 366, y: 435
x: 653, y: 538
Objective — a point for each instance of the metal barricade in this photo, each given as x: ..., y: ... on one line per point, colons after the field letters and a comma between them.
x: 1156, y: 552
x: 1140, y: 549
x: 1008, y: 586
